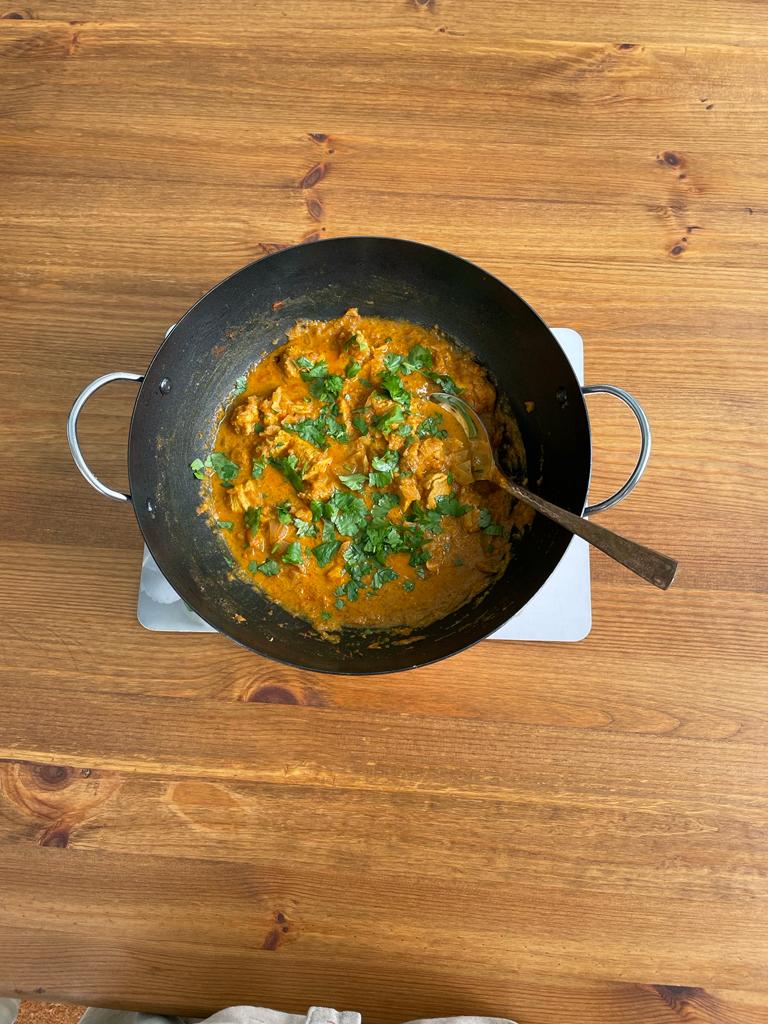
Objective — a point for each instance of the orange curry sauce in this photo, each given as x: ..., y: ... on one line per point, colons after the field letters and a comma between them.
x: 344, y: 493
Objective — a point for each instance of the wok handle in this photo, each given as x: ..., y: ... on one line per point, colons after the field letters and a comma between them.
x: 645, y: 445
x: 74, y: 444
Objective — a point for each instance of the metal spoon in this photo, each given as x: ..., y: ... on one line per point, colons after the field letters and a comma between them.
x: 651, y: 565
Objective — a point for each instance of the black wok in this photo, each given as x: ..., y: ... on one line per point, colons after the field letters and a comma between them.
x: 237, y: 322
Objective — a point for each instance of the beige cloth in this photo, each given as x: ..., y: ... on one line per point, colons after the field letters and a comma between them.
x: 237, y: 1015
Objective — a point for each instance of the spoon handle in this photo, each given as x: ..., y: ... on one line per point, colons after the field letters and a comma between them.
x: 651, y: 565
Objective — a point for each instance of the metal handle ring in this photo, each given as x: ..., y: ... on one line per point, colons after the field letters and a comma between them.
x: 645, y: 445
x: 74, y: 443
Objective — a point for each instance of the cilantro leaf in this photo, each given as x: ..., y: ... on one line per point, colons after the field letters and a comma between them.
x: 327, y: 389
x: 354, y: 481
x: 419, y: 357
x: 408, y: 585
x: 444, y: 382
x: 283, y: 511
x: 347, y: 512
x: 432, y: 426
x: 241, y: 384
x: 449, y: 505
x: 198, y: 468
x: 389, y: 420
x: 310, y: 430
x: 335, y: 429
x: 487, y: 524
x: 268, y: 568
x: 224, y: 524
x: 393, y: 361
x: 352, y: 368
x: 258, y: 427
x: 350, y: 590
x: 386, y: 463
x: 310, y: 370
x: 303, y: 528
x: 382, y: 576
x: 405, y: 430
x: 224, y: 468
x: 316, y: 508
x: 394, y: 387
x: 252, y: 517
x: 382, y: 503
x: 258, y: 467
x: 288, y: 465
x: 429, y: 519
x: 293, y: 554
x: 326, y: 551
x: 376, y: 478
x: 360, y: 422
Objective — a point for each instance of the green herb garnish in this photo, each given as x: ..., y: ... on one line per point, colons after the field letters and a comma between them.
x: 389, y: 420
x: 224, y: 524
x: 293, y: 554
x: 352, y: 368
x: 198, y: 468
x: 382, y: 503
x: 382, y: 576
x: 360, y: 422
x: 487, y: 524
x: 346, y: 511
x: 316, y: 508
x: 252, y: 517
x: 394, y: 387
x: 258, y: 467
x: 241, y: 384
x: 408, y: 585
x: 303, y: 528
x: 283, y: 511
x: 444, y: 382
x: 258, y: 427
x: 288, y: 465
x: 432, y: 426
x: 326, y: 551
x: 224, y: 468
x: 310, y: 370
x: 268, y: 568
x: 428, y: 518
x: 354, y: 481
x: 449, y: 505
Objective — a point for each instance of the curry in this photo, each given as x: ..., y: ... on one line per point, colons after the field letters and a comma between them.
x: 345, y: 493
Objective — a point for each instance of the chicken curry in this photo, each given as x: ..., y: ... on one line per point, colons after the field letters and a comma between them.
x: 345, y: 493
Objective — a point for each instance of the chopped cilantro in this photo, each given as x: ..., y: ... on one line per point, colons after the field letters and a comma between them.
x: 387, y: 462
x: 293, y: 554
x: 327, y: 389
x: 258, y: 427
x: 352, y: 368
x: 357, y: 341
x: 347, y: 512
x: 288, y: 465
x: 311, y: 430
x: 283, y: 511
x: 224, y: 468
x: 224, y: 524
x: 303, y: 528
x: 429, y: 519
x: 365, y: 382
x: 360, y: 422
x: 405, y: 430
x: 258, y: 467
x: 325, y: 616
x: 408, y: 585
x: 316, y: 508
x: 252, y: 517
x: 354, y: 481
x: 241, y: 384
x: 326, y: 551
x: 268, y: 568
x: 432, y: 426
x: 198, y: 468
x: 392, y: 361
x: 421, y: 572
x: 419, y: 357
x: 382, y: 503
x: 487, y: 524
x: 382, y: 576
x: 444, y: 382
x: 393, y: 386
x: 310, y: 370
x: 350, y: 590
x: 339, y: 603
x: 389, y: 420
x: 377, y: 478
x: 449, y: 505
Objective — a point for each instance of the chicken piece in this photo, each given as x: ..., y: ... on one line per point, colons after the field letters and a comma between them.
x: 480, y: 393
x: 246, y: 415
x: 437, y: 487
x: 244, y: 495
x: 318, y: 468
x: 408, y: 491
x: 320, y: 487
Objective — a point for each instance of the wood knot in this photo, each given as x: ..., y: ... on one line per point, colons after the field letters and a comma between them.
x: 53, y: 776
x: 625, y: 46
x: 273, y: 695
x: 670, y: 159
x: 56, y: 835
x: 313, y: 175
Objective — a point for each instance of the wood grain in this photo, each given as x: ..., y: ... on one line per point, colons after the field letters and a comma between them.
x: 544, y: 832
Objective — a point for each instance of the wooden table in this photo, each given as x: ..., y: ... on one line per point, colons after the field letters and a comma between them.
x: 547, y: 832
